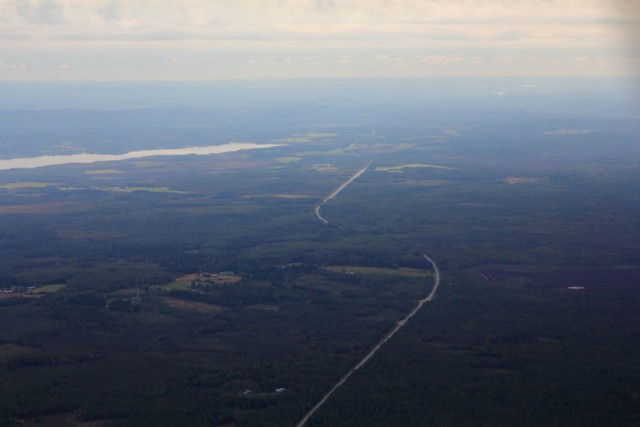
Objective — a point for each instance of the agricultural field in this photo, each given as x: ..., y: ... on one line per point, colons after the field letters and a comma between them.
x: 401, y: 168
x: 102, y: 171
x: 352, y: 269
x: 21, y: 185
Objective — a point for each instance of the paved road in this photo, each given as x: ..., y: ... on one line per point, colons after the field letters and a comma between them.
x: 374, y: 350
x: 388, y: 335
x: 337, y: 191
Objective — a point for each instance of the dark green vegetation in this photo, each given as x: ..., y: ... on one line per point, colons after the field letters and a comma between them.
x: 524, y: 210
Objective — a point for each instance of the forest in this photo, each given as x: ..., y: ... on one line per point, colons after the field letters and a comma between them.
x: 203, y: 290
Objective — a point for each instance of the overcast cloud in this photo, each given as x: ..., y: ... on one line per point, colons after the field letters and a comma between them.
x: 217, y: 39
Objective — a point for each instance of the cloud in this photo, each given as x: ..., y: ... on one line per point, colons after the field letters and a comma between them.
x: 64, y: 66
x: 505, y: 58
x: 390, y: 58
x: 446, y: 35
x: 110, y: 11
x: 504, y: 19
x: 19, y: 66
x: 41, y: 11
x: 511, y: 34
x: 325, y: 5
x: 397, y: 61
x: 440, y: 59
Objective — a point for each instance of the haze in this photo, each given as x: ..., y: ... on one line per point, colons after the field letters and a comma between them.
x: 319, y: 213
x: 64, y: 40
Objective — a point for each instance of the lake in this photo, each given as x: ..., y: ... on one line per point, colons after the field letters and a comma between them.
x: 36, y: 162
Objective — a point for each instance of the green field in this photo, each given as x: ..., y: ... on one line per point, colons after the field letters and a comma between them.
x: 352, y: 269
x: 23, y: 185
x: 401, y: 168
x: 147, y: 189
x: 290, y: 159
x: 102, y: 171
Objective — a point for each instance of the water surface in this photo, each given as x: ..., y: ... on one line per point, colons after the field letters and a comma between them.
x: 36, y: 162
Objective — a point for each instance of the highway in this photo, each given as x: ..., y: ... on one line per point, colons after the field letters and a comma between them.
x: 338, y: 190
x: 386, y: 337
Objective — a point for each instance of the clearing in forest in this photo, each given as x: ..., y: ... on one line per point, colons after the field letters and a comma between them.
x: 353, y: 269
x: 200, y: 307
x: 401, y: 168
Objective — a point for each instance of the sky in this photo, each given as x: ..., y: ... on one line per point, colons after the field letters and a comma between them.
x: 147, y: 40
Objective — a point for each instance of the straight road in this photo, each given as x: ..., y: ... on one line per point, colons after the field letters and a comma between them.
x: 384, y: 339
x: 337, y: 191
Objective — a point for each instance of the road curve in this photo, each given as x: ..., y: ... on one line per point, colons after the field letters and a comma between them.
x: 386, y: 337
x: 379, y: 344
x: 337, y: 191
